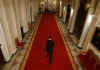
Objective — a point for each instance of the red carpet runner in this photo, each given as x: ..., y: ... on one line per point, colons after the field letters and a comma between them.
x: 37, y: 59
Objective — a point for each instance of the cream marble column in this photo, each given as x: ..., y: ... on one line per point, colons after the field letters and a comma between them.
x: 4, y: 47
x: 11, y: 17
x: 72, y: 21
x: 60, y: 9
x: 85, y: 29
x: 16, y: 17
x: 7, y: 29
x: 64, y: 13
x: 28, y: 11
x: 87, y: 25
x: 23, y: 14
x: 70, y: 18
x: 95, y: 23
x: 35, y: 8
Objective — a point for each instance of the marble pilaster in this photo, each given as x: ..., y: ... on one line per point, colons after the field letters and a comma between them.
x: 7, y: 30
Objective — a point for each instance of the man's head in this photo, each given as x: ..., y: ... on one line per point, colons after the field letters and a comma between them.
x: 50, y: 38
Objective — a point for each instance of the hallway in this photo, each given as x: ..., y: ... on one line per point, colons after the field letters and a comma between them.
x: 34, y: 51
x: 37, y: 58
x: 26, y: 26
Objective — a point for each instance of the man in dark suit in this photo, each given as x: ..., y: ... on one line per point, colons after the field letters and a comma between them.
x: 49, y: 48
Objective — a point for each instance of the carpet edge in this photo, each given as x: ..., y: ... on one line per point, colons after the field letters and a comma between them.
x: 74, y: 65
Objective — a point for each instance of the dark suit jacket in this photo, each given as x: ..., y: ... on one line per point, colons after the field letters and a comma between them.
x: 49, y: 46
